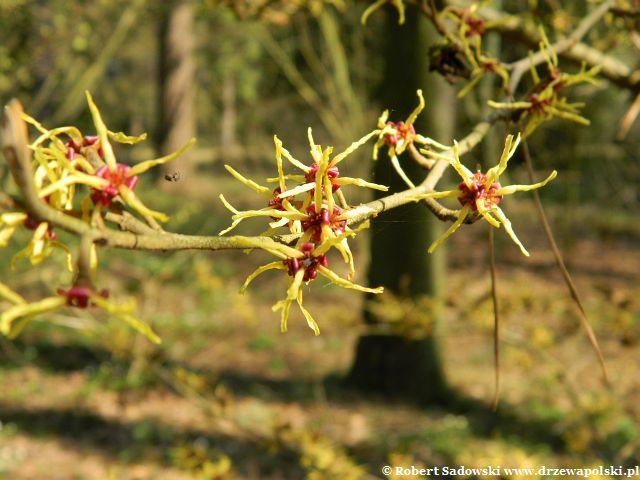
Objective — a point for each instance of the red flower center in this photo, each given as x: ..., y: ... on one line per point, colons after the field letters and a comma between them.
x: 332, y: 172
x: 476, y: 26
x: 116, y: 180
x: 478, y: 191
x: 276, y: 202
x: 309, y: 263
x: 406, y: 133
x: 537, y: 105
x: 87, y: 141
x: 79, y: 296
x: 315, y: 221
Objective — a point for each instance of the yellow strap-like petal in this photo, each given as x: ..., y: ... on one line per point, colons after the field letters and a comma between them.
x: 305, y: 187
x: 285, y: 153
x: 270, y: 212
x: 486, y: 212
x: 134, y: 202
x: 414, y: 115
x: 507, y: 226
x: 93, y: 259
x: 315, y: 150
x: 124, y: 138
x: 72, y: 179
x: 146, y: 165
x: 5, y: 235
x: 279, y: 223
x: 396, y: 165
x: 370, y: 9
x: 295, y: 178
x: 359, y: 182
x: 341, y: 282
x: 430, y: 142
x: 331, y: 242
x: 353, y: 147
x: 510, y: 105
x: 573, y: 117
x: 228, y: 206
x: 292, y: 295
x: 10, y: 295
x: 123, y: 314
x: 62, y: 246
x: 509, y: 189
x: 248, y: 182
x: 38, y: 243
x: 471, y: 83
x: 13, y: 219
x: 455, y: 162
x: 310, y: 321
x: 260, y: 270
x: 461, y: 216
x: 28, y: 310
x: 107, y: 150
x: 494, y: 172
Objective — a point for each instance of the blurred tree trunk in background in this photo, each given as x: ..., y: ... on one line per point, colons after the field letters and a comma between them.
x: 176, y: 71
x: 390, y: 363
x: 228, y: 138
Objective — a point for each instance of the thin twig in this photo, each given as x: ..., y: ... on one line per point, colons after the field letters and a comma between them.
x: 83, y: 276
x: 431, y: 12
x: 626, y: 12
x: 496, y: 320
x: 420, y: 159
x: 129, y: 223
x: 561, y: 265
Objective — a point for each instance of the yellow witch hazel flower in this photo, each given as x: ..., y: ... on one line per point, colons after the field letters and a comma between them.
x: 15, y: 318
x: 481, y: 193
x: 545, y: 101
x: 91, y: 161
x: 302, y: 266
x: 44, y: 239
x: 122, y: 178
x: 64, y: 159
x: 468, y: 40
x: 316, y: 218
x: 323, y: 173
x: 42, y: 243
x: 397, y: 136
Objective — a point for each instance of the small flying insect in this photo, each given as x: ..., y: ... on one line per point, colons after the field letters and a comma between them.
x: 172, y: 177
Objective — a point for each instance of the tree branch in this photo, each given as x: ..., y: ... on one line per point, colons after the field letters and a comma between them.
x: 521, y: 66
x: 611, y: 68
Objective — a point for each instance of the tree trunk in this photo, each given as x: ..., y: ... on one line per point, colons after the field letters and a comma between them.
x: 177, y: 119
x: 228, y: 138
x: 391, y: 364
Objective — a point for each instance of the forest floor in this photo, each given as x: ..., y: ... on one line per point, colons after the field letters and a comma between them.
x: 227, y: 396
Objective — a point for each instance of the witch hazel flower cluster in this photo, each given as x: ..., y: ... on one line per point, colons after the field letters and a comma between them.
x: 398, y: 136
x: 311, y: 207
x: 464, y: 42
x: 66, y: 164
x: 481, y: 193
x: 545, y: 101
